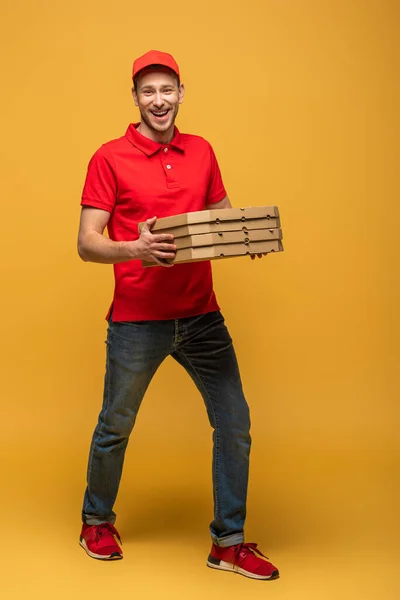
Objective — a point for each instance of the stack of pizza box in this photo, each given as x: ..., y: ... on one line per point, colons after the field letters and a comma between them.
x: 221, y: 233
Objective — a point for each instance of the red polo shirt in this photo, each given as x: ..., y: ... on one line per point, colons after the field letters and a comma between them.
x: 135, y: 178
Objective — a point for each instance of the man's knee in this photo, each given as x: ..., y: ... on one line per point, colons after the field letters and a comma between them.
x: 115, y: 429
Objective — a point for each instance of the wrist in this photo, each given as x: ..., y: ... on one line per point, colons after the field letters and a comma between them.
x: 129, y: 250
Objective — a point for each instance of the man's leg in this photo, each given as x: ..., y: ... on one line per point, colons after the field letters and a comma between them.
x: 204, y: 348
x: 134, y: 352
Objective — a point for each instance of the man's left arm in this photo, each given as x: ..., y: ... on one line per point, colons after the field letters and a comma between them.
x: 216, y: 189
x: 224, y: 203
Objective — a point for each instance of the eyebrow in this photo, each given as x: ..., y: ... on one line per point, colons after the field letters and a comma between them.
x: 151, y: 87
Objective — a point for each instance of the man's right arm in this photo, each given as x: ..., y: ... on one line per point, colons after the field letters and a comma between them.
x: 94, y: 246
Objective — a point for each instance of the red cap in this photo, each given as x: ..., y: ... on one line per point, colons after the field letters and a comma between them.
x: 154, y: 57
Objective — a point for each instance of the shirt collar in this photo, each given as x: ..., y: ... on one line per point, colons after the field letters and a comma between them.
x: 148, y: 146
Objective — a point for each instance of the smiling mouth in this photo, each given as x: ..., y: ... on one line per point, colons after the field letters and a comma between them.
x: 159, y: 113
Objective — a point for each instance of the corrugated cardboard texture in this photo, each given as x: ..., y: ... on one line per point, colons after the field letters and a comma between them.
x: 201, y: 228
x: 229, y: 237
x: 222, y: 251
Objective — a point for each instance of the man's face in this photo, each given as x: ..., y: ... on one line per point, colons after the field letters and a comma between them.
x: 158, y: 97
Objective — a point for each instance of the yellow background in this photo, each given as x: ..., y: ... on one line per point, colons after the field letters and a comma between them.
x: 300, y: 100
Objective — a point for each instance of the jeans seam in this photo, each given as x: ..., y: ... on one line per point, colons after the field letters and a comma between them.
x: 216, y: 431
x: 107, y: 394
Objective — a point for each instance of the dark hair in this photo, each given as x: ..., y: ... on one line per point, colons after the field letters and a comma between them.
x: 155, y: 68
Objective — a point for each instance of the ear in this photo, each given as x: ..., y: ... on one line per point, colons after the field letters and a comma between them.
x: 134, y: 96
x: 181, y: 93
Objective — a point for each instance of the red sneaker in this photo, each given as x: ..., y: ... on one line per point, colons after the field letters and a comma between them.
x: 245, y: 559
x: 99, y: 541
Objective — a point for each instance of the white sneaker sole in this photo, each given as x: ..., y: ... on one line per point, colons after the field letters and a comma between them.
x: 225, y: 566
x: 99, y: 556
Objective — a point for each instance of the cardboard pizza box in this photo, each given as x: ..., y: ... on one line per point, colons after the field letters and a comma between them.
x: 227, y: 237
x: 217, y: 216
x: 202, y: 228
x: 221, y: 251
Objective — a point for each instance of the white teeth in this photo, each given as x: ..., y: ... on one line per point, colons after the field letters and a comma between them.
x: 160, y: 114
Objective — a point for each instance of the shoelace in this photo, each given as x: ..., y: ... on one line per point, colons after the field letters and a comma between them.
x: 100, y: 530
x: 244, y: 549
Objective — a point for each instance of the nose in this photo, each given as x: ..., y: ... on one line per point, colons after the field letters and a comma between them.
x: 158, y: 100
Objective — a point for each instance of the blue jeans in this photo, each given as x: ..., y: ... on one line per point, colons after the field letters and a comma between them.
x: 203, y: 346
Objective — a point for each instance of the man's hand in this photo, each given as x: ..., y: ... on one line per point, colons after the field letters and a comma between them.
x: 155, y: 247
x: 252, y: 256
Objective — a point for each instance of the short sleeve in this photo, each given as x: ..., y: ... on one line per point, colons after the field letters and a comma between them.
x: 100, y: 189
x: 216, y: 191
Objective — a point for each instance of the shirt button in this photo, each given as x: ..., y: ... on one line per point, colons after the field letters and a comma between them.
x: 165, y: 149
x: 169, y: 167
